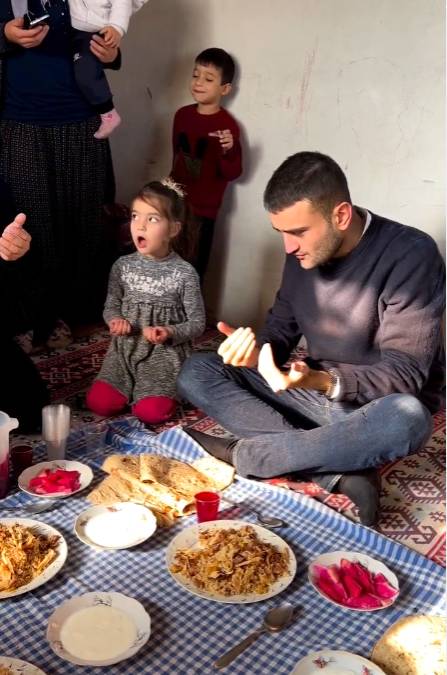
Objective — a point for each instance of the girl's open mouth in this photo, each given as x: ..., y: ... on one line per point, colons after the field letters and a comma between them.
x: 141, y: 241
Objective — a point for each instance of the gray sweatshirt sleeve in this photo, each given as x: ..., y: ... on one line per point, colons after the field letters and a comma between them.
x: 409, y: 336
x: 194, y: 310
x: 112, y: 307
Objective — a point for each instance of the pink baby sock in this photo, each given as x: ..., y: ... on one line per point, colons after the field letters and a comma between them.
x: 109, y: 122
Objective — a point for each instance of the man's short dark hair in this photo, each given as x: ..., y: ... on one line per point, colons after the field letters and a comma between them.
x: 308, y: 176
x: 220, y: 59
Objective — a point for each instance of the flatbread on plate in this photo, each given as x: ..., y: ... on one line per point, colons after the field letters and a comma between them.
x: 180, y: 477
x: 162, y: 483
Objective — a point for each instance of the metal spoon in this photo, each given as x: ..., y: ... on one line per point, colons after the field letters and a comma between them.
x: 34, y: 507
x: 275, y: 620
x: 267, y: 521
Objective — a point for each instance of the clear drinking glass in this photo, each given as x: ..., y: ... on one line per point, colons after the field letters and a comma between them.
x: 56, y: 429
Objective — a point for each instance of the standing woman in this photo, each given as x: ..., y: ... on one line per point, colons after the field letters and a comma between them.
x: 59, y: 174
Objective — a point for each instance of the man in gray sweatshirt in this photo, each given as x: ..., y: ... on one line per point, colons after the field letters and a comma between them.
x: 367, y: 294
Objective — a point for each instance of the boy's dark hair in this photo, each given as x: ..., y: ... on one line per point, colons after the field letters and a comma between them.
x: 220, y: 59
x: 307, y: 175
x: 174, y: 208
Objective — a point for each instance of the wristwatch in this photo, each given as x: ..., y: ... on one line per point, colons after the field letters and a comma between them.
x: 334, y: 386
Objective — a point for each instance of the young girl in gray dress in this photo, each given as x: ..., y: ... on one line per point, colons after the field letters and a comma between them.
x: 154, y: 309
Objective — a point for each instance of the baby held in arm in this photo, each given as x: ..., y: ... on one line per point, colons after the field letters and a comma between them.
x: 110, y: 20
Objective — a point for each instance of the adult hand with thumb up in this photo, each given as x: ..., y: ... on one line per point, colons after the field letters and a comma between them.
x: 239, y: 349
x: 15, y: 241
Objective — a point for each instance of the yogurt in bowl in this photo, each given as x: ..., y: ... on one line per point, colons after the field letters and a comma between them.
x: 114, y: 527
x: 98, y: 629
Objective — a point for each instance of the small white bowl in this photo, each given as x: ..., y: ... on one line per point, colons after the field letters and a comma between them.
x: 85, y: 477
x: 115, y: 527
x: 372, y: 565
x: 122, y: 604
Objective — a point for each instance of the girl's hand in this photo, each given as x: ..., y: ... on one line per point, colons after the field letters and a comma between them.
x: 119, y: 327
x: 157, y: 334
x: 14, y: 32
x: 112, y: 37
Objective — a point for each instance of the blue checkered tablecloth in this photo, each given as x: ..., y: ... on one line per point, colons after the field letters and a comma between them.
x: 190, y: 633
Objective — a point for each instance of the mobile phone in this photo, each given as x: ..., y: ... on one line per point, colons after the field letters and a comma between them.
x: 28, y: 22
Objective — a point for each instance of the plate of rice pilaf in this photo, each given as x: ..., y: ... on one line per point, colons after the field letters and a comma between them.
x: 231, y: 561
x: 31, y: 553
x: 10, y: 666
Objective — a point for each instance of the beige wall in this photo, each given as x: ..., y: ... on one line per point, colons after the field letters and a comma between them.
x: 362, y: 81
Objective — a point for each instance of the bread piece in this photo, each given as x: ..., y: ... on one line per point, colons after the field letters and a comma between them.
x: 180, y: 477
x: 128, y: 463
x: 219, y: 473
x: 169, y: 482
x: 414, y: 645
x: 128, y: 468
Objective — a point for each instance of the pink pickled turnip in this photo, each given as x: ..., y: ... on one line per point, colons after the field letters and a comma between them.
x: 366, y: 601
x: 330, y: 579
x: 353, y: 589
x: 57, y: 481
x: 383, y: 588
x: 363, y: 577
x: 352, y: 585
x: 346, y: 567
x: 330, y: 590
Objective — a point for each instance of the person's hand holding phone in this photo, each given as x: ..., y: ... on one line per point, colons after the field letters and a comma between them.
x: 26, y: 38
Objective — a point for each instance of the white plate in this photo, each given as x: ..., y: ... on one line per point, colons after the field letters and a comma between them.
x: 331, y: 662
x: 19, y: 667
x: 52, y: 569
x: 116, y: 526
x: 85, y: 477
x: 131, y: 608
x: 188, y: 538
x: 371, y: 565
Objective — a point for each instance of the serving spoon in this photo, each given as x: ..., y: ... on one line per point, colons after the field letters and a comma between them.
x: 268, y: 521
x: 36, y: 507
x: 275, y: 620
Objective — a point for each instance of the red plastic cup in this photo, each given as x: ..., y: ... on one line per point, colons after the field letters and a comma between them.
x: 21, y: 457
x: 207, y: 506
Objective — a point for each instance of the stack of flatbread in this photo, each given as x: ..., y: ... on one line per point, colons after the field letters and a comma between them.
x: 414, y: 645
x: 165, y: 485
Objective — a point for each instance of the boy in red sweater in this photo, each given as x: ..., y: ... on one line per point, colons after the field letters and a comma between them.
x: 206, y: 148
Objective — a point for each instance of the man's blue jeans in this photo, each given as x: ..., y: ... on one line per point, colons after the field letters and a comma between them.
x: 301, y: 430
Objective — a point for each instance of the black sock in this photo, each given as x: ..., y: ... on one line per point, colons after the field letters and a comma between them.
x: 221, y: 448
x: 363, y: 488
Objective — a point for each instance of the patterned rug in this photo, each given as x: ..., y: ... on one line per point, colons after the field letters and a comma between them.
x: 413, y: 489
